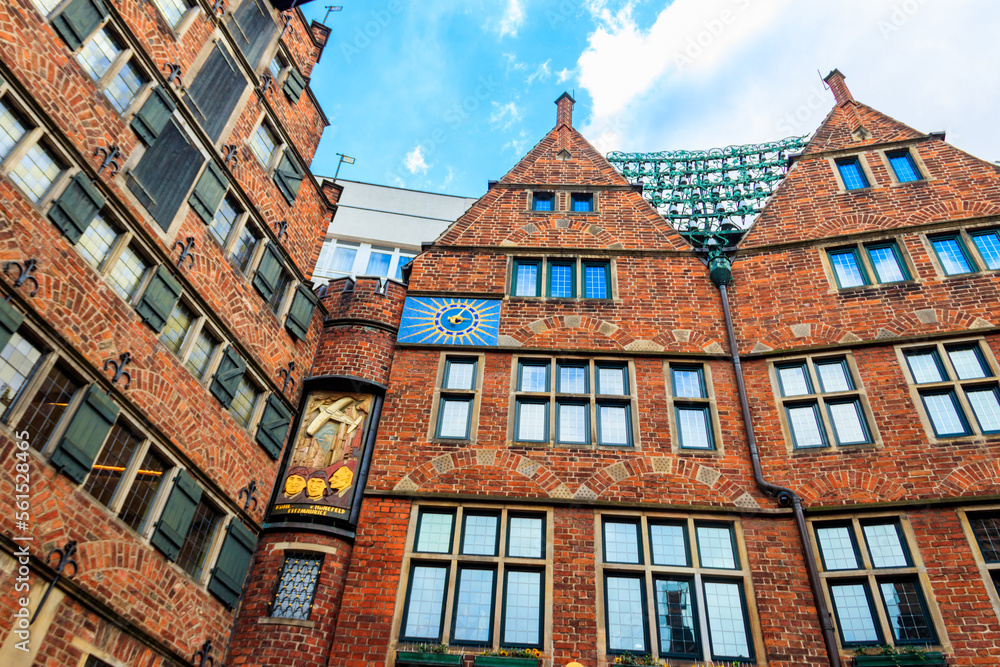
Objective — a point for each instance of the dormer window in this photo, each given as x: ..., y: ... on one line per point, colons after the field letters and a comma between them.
x: 581, y: 202
x: 851, y: 174
x: 543, y: 201
x: 903, y: 166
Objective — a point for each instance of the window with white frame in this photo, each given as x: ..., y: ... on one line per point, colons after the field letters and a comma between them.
x: 25, y: 155
x: 264, y: 143
x: 691, y: 572
x: 956, y: 387
x: 345, y: 258
x: 483, y: 567
x: 106, y: 59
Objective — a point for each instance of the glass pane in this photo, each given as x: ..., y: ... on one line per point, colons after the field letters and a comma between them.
x: 692, y: 425
x: 611, y: 381
x: 531, y: 422
x: 687, y: 383
x: 837, y: 548
x: 275, y: 67
x: 905, y: 611
x: 967, y: 363
x: 621, y: 542
x: 726, y: 625
x: 284, y: 279
x: 561, y: 277
x: 177, y: 327
x: 95, y: 243
x: 435, y: 532
x: 201, y: 353
x: 989, y: 249
x: 943, y: 411
x: 667, y: 545
x: 626, y: 625
x: 172, y: 10
x: 526, y: 283
x: 833, y: 376
x: 423, y: 615
x: 884, y: 545
x: 144, y: 488
x: 127, y: 273
x: 36, y: 171
x: 461, y: 375
x: 96, y: 56
x: 123, y: 88
x: 243, y: 402
x: 524, y: 537
x: 199, y: 539
x: 474, y: 606
x: 854, y: 615
x: 343, y: 258
x: 986, y: 407
x: 903, y: 165
x: 48, y: 406
x: 614, y: 424
x: 852, y: 175
x: 480, y: 538
x: 583, y: 203
x: 110, y: 464
x: 378, y: 264
x: 404, y: 261
x: 263, y: 144
x: 573, y: 422
x: 886, y: 265
x: 846, y: 266
x: 987, y: 530
x: 542, y: 201
x: 454, y: 418
x: 715, y: 547
x: 12, y: 128
x: 675, y: 616
x: 299, y: 576
x: 572, y: 380
x: 952, y: 258
x: 794, y: 381
x: 522, y: 608
x: 848, y: 425
x: 924, y: 367
x: 244, y: 248
x: 17, y: 361
x: 596, y: 281
x: 805, y: 426
x: 224, y: 219
x: 534, y: 378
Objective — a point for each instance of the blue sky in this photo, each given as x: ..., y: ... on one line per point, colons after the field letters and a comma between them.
x: 444, y: 95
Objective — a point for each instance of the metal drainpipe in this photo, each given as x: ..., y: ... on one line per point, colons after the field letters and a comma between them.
x: 785, y: 497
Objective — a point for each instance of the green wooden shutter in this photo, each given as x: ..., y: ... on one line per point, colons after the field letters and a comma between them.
x: 209, y: 192
x: 78, y: 20
x: 159, y: 299
x: 273, y: 426
x: 294, y: 85
x: 76, y: 208
x: 153, y: 115
x: 301, y: 312
x: 288, y: 177
x: 10, y: 320
x: 172, y: 528
x: 227, y: 378
x: 234, y: 560
x: 76, y: 451
x: 268, y: 272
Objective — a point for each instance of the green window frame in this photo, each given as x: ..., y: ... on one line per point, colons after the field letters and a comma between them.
x: 953, y: 264
x: 632, y: 528
x: 623, y: 368
x: 627, y: 408
x: 733, y: 546
x: 504, y: 623
x: 518, y: 436
x: 515, y: 288
x: 407, y: 607
x: 826, y: 555
x: 840, y: 263
x: 987, y: 242
x: 513, y: 516
x: 959, y: 414
x: 550, y: 279
x: 584, y: 427
x: 521, y: 365
x: 852, y: 174
x: 841, y: 438
x: 806, y: 401
x: 611, y: 635
x: 459, y: 602
x: 596, y: 288
x: 908, y: 163
x: 465, y: 524
x: 747, y: 631
x: 796, y: 437
x: 706, y: 414
x: 450, y: 363
x: 543, y: 201
x: 897, y: 255
x: 442, y: 409
x: 690, y: 647
x: 421, y: 524
x: 581, y: 202
x: 580, y: 365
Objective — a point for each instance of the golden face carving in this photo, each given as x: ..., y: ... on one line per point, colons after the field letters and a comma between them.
x: 315, y: 488
x: 341, y: 479
x: 294, y: 485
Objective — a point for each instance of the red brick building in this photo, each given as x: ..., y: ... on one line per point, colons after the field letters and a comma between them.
x: 158, y: 226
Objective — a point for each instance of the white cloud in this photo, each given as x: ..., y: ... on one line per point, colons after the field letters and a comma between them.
x: 542, y: 73
x: 563, y: 75
x: 519, y: 145
x: 505, y: 115
x: 513, y: 64
x: 513, y: 17
x: 414, y: 161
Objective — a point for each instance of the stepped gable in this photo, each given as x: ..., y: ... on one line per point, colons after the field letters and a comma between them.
x: 561, y: 160
x: 810, y: 203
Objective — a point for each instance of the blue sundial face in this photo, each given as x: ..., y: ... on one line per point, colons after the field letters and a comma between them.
x: 450, y: 321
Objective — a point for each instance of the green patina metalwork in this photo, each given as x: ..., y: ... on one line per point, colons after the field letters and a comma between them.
x: 711, y: 197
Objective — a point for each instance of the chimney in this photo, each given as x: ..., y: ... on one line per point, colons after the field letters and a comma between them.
x: 564, y: 110
x: 840, y: 92
x: 320, y: 34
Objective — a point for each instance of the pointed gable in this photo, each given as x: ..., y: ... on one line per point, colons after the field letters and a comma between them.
x: 811, y: 203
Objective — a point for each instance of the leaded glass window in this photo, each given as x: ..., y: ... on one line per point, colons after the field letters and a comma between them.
x: 822, y: 403
x: 297, y: 587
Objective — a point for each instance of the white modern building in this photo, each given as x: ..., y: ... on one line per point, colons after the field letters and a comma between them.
x: 378, y: 229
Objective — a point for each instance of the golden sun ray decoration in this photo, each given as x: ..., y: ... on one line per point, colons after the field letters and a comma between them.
x: 450, y: 321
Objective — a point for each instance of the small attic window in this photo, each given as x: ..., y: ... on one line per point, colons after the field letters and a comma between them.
x: 851, y: 173
x: 543, y: 201
x: 903, y: 166
x: 564, y: 155
x: 581, y: 202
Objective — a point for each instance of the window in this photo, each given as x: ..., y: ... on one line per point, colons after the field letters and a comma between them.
x: 216, y: 91
x: 581, y: 202
x: 697, y: 581
x: 852, y: 174
x: 45, y: 7
x: 245, y: 247
x: 47, y: 407
x: 985, y: 531
x: 166, y: 173
x: 596, y: 280
x: 956, y: 388
x: 543, y: 201
x: 39, y: 166
x: 343, y: 258
x: 276, y: 66
x: 573, y: 402
x: 284, y: 280
x: 561, y: 277
x: 297, y: 587
x: 96, y: 244
x: 693, y: 410
x: 202, y: 351
x: 264, y: 142
x: 178, y: 325
x: 225, y: 219
x: 873, y: 583
x: 903, y: 166
x: 527, y: 279
x: 19, y: 360
x: 847, y: 268
x: 244, y: 402
x: 95, y: 662
x: 194, y: 552
x: 988, y: 244
x: 466, y: 545
x: 379, y: 261
x: 108, y: 62
x: 952, y: 254
x: 173, y: 10
x: 855, y: 266
x: 822, y: 403
x: 128, y: 272
x: 457, y: 396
